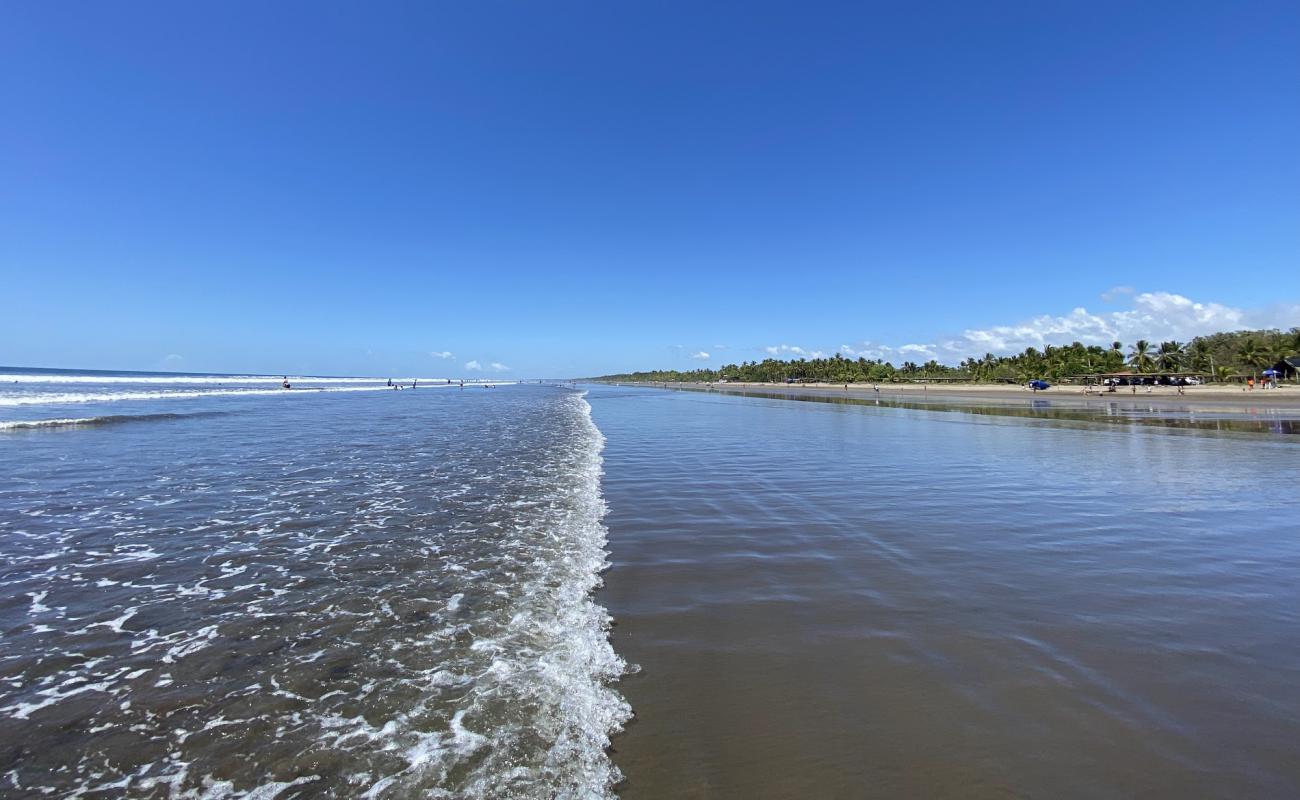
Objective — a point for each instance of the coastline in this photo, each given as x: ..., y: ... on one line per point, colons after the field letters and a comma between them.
x: 1284, y: 400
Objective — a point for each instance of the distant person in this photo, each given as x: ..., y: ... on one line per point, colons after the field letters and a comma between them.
x: 390, y: 382
x: 414, y: 382
x: 285, y: 384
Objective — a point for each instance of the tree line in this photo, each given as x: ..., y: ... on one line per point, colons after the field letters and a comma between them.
x: 1221, y: 356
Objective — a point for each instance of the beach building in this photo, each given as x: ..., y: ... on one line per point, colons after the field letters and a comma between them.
x: 1288, y: 368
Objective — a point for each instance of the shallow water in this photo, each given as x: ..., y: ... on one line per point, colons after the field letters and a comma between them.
x: 1165, y: 412
x: 353, y: 593
x: 215, y: 588
x: 844, y: 600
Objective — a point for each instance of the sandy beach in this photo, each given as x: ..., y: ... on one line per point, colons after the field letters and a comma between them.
x: 1229, y: 399
x: 846, y: 600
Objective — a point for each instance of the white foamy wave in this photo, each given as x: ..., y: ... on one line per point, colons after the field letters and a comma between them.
x: 583, y: 663
x: 110, y: 419
x: 50, y: 398
x: 188, y: 380
x: 554, y: 657
x: 497, y: 675
x: 570, y: 678
x: 24, y: 424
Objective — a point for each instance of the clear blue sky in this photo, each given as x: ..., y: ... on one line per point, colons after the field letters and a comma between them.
x: 579, y: 188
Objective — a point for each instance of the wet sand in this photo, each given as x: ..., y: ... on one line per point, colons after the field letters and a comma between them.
x: 1231, y: 399
x: 840, y: 600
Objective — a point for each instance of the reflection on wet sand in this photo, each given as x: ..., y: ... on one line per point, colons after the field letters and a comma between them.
x: 1124, y: 412
x: 839, y: 599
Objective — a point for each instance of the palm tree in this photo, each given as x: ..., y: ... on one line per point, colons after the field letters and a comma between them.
x: 1170, y: 356
x: 1113, y: 359
x: 1199, y: 355
x: 1222, y: 373
x: 1253, y: 354
x: 1140, y: 356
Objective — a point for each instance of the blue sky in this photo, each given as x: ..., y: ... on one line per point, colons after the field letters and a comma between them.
x: 579, y: 188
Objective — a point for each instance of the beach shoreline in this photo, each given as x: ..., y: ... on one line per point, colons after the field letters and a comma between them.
x: 1284, y: 400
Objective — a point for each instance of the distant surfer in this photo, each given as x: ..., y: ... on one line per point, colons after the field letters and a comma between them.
x: 286, y: 385
x: 390, y: 382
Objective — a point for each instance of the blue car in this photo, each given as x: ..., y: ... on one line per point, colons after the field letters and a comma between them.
x: 1039, y: 385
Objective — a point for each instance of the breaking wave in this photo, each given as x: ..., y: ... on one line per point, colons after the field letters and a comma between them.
x: 196, y: 380
x: 261, y: 607
x: 112, y: 419
x: 60, y: 398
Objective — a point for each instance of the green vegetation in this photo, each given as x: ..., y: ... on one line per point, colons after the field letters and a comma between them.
x: 1222, y: 355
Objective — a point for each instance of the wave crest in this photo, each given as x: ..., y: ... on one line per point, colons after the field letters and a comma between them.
x: 112, y: 419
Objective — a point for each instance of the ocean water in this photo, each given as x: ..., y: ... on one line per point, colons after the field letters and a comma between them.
x: 847, y: 600
x: 212, y: 587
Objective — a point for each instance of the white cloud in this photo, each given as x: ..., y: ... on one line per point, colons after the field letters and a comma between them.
x: 700, y: 356
x: 1154, y: 316
x: 869, y: 350
x: 913, y: 350
x: 497, y: 366
x: 473, y: 366
x: 1116, y: 292
x: 779, y: 350
x: 172, y: 359
x: 442, y: 354
x: 785, y: 349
